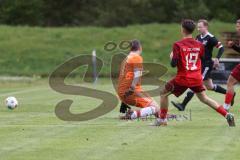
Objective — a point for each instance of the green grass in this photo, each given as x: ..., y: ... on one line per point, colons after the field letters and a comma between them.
x: 33, y: 132
x: 38, y: 51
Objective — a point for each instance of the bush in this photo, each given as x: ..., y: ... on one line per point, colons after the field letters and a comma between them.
x: 112, y: 13
x: 21, y: 12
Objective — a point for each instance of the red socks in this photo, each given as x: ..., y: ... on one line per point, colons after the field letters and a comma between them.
x: 222, y: 111
x: 163, y: 113
x: 229, y: 97
x: 138, y: 113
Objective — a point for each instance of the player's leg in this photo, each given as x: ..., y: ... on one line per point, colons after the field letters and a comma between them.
x: 230, y: 92
x: 162, y: 114
x: 207, y: 78
x: 142, y: 100
x: 208, y: 101
x: 206, y: 73
x: 206, y: 70
x: 151, y: 109
x: 172, y: 87
x: 187, y: 99
x: 164, y: 107
x: 209, y: 85
x: 213, y: 104
x: 233, y: 79
x: 214, y: 87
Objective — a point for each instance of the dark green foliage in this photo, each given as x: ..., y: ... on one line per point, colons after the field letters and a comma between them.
x: 21, y: 12
x: 113, y: 13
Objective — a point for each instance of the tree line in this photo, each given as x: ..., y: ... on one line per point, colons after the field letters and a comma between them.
x: 110, y: 13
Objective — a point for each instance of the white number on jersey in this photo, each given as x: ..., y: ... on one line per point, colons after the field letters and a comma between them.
x: 191, y: 61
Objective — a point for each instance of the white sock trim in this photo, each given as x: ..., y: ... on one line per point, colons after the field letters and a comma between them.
x: 226, y: 106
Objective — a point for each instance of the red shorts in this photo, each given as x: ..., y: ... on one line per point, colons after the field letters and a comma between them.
x: 178, y: 89
x: 138, y: 99
x: 236, y: 72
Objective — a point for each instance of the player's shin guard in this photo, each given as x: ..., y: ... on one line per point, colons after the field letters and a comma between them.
x: 228, y: 100
x: 219, y: 89
x: 188, y: 98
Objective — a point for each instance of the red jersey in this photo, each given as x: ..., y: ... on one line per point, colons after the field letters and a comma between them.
x: 188, y: 53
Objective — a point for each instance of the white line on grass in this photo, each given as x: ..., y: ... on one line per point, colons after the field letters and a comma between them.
x: 23, y: 91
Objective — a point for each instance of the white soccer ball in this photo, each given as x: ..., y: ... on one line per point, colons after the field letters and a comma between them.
x: 11, y: 102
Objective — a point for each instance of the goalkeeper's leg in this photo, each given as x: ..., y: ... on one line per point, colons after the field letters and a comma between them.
x: 149, y: 110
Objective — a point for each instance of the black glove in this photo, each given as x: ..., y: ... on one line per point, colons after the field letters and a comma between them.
x: 124, y: 107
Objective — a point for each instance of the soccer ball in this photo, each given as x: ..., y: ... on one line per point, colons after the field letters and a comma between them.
x: 11, y: 103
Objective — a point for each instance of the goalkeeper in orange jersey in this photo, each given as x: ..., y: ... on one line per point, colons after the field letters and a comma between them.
x: 129, y: 85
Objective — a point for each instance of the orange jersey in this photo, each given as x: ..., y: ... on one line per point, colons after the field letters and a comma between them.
x: 126, y: 75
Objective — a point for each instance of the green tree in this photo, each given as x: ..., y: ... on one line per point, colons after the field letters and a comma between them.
x: 21, y: 12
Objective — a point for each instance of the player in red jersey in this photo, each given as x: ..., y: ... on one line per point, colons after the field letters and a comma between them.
x: 234, y: 78
x: 210, y: 42
x: 129, y: 85
x: 186, y: 56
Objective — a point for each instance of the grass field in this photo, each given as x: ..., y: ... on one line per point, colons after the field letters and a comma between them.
x: 33, y: 132
x: 37, y: 51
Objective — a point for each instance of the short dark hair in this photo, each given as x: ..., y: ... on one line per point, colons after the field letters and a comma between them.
x: 238, y: 21
x: 135, y: 45
x: 188, y: 25
x: 204, y: 21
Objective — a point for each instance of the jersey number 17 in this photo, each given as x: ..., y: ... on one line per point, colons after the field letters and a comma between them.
x: 191, y: 61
